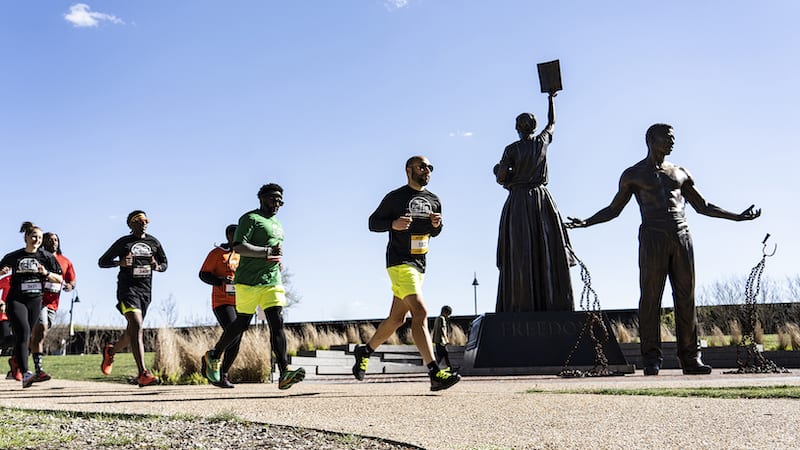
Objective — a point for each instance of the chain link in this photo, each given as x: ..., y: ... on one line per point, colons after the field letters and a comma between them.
x: 593, y: 326
x: 749, y: 357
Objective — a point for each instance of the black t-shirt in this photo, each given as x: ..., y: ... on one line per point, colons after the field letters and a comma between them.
x: 409, y: 246
x: 135, y: 280
x: 26, y: 281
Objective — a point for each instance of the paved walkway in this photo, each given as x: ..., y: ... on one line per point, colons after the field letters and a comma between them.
x: 478, y: 413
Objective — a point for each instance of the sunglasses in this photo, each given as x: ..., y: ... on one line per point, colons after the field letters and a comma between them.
x: 422, y: 167
x: 276, y: 199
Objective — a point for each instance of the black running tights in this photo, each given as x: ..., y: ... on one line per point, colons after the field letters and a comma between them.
x: 233, y: 333
x: 23, y: 316
x: 226, y: 315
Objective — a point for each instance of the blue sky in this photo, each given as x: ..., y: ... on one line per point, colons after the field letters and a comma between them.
x: 184, y: 108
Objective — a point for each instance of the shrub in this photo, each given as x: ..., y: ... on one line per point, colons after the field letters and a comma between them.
x: 621, y: 332
x: 717, y: 338
x: 666, y: 334
x: 353, y: 336
x: 457, y: 336
x: 735, y: 332
x: 784, y: 338
x: 793, y: 330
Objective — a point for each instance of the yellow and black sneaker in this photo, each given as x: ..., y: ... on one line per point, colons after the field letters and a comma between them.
x: 443, y: 379
x: 362, y: 361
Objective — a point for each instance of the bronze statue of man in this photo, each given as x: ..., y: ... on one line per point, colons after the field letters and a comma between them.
x: 531, y: 247
x: 661, y: 189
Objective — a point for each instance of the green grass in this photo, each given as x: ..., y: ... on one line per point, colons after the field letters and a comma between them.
x: 87, y: 367
x: 749, y: 392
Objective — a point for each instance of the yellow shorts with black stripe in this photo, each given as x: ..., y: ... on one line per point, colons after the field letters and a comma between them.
x: 248, y: 297
x: 406, y: 280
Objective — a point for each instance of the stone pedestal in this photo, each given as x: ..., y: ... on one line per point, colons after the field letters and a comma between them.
x: 535, y: 343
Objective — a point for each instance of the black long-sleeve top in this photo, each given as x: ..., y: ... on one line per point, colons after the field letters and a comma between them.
x: 409, y: 246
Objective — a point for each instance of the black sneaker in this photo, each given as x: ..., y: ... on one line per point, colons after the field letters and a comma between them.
x: 224, y: 382
x: 443, y: 379
x: 362, y: 361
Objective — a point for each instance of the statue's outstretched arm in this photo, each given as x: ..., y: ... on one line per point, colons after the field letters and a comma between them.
x: 699, y: 203
x: 611, y: 211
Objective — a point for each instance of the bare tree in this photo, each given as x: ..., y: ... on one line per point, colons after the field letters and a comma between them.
x: 169, y: 311
x: 292, y: 296
x: 793, y: 288
x: 728, y: 291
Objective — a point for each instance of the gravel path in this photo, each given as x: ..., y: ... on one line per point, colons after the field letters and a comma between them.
x: 80, y: 431
x: 478, y: 413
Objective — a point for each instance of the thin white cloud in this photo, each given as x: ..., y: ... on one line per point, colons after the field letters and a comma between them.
x: 80, y: 16
x: 393, y: 5
x: 465, y: 134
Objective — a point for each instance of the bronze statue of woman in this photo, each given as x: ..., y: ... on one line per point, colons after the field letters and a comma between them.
x: 531, y: 249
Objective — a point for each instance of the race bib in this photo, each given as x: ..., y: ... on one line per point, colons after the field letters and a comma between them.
x: 230, y: 289
x: 49, y: 286
x: 142, y: 271
x: 419, y: 244
x: 31, y: 287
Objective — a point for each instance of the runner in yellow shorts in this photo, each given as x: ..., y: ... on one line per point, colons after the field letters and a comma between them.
x: 258, y: 240
x: 412, y: 215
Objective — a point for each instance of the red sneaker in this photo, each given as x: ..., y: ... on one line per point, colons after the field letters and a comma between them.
x: 40, y: 376
x: 147, y: 379
x: 14, y: 373
x: 108, y: 360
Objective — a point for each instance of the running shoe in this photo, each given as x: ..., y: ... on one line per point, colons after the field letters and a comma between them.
x: 27, y: 380
x: 147, y: 379
x: 224, y: 382
x: 15, y: 373
x: 443, y: 379
x: 108, y: 359
x: 362, y: 361
x: 210, y: 367
x: 40, y: 376
x: 290, y: 378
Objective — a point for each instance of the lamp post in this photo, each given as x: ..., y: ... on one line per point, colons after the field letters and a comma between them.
x: 475, y: 290
x: 75, y: 299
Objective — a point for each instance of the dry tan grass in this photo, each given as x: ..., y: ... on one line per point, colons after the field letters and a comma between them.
x: 394, y: 339
x: 366, y: 330
x: 789, y: 336
x: 717, y: 338
x: 735, y: 332
x: 457, y: 336
x: 794, y: 333
x: 758, y: 333
x: 666, y: 334
x: 178, y: 356
x: 309, y: 337
x: 407, y: 337
x: 624, y: 334
x: 784, y: 341
x: 293, y: 341
x: 255, y: 357
x: 352, y: 335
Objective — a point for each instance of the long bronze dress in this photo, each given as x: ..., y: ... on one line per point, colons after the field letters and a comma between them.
x: 531, y: 248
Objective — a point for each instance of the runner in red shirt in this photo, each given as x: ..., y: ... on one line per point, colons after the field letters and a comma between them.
x: 50, y: 298
x: 6, y: 338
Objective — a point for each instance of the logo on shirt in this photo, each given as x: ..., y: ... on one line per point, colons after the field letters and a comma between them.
x: 141, y: 249
x: 28, y: 265
x: 420, y: 207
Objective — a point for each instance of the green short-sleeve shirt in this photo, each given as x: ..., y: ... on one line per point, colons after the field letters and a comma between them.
x: 255, y: 229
